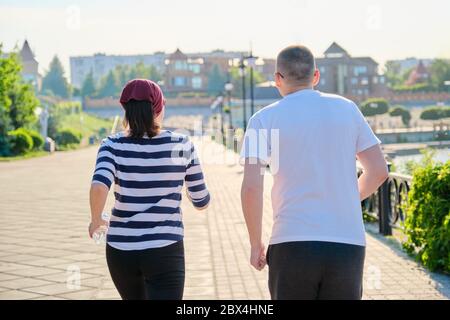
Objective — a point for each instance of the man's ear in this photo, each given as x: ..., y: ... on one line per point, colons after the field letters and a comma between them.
x: 277, y: 81
x: 316, y: 77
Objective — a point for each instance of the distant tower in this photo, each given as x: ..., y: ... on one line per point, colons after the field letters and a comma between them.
x: 30, y: 66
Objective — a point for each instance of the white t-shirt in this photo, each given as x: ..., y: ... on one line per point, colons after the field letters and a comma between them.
x: 310, y: 141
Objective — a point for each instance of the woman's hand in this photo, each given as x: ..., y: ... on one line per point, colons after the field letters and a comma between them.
x: 94, y: 225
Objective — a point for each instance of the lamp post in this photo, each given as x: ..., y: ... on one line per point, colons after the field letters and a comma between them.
x: 220, y: 99
x: 218, y: 103
x: 242, y: 73
x: 251, y: 62
x: 228, y: 88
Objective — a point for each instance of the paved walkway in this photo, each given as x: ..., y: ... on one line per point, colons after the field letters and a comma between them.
x: 44, y: 245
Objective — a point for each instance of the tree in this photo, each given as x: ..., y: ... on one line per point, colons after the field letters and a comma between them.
x: 236, y: 80
x: 400, y: 111
x: 392, y: 74
x: 17, y: 100
x: 55, y: 81
x: 109, y: 87
x: 9, y: 75
x: 216, y: 80
x: 88, y: 87
x: 140, y: 70
x: 395, y: 76
x: 124, y: 73
x: 440, y: 72
x: 23, y: 105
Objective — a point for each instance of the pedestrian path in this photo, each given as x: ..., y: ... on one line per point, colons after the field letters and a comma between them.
x: 45, y: 252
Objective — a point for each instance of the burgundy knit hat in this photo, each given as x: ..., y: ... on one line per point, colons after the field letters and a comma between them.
x: 144, y: 90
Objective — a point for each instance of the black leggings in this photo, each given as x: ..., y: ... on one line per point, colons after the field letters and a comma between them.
x: 152, y: 274
x: 313, y: 270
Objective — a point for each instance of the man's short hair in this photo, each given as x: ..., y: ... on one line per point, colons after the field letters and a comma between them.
x: 297, y: 64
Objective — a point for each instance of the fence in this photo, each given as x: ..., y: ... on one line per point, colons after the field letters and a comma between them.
x: 387, y: 204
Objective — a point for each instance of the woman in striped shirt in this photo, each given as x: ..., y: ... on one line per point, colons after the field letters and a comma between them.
x: 148, y: 167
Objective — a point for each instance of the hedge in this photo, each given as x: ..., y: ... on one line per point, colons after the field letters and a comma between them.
x: 427, y: 224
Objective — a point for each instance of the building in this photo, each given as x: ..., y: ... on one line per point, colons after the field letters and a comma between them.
x: 183, y: 73
x: 419, y: 75
x: 267, y: 68
x: 30, y: 66
x: 189, y: 72
x: 355, y: 77
x: 405, y: 65
x: 101, y: 64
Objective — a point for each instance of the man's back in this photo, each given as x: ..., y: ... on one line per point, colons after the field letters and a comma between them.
x: 313, y: 159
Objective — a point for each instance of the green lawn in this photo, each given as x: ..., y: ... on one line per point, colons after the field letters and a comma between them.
x: 86, y: 123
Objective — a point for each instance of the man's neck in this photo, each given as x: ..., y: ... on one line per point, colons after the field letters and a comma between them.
x: 298, y: 88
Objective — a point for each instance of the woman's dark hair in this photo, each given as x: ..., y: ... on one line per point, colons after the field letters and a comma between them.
x: 140, y: 119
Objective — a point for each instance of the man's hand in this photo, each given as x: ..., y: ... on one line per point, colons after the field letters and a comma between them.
x: 258, y: 257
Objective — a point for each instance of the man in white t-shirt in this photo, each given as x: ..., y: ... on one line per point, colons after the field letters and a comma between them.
x: 310, y: 140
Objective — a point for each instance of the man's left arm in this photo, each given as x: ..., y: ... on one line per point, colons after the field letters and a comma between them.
x: 252, y: 205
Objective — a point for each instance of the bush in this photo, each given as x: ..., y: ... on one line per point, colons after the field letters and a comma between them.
x: 20, y: 141
x: 103, y: 132
x: 374, y: 106
x: 38, y: 140
x: 427, y: 224
x: 402, y: 112
x: 435, y: 113
x: 68, y: 136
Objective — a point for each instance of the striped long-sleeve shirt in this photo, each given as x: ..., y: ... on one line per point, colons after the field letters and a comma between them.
x: 148, y: 176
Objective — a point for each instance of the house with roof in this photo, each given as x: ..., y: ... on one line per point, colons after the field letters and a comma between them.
x: 343, y: 74
x: 30, y: 66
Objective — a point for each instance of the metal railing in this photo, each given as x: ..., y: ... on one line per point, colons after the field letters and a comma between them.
x: 387, y: 204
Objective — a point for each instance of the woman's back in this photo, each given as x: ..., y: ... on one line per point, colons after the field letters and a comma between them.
x: 149, y: 174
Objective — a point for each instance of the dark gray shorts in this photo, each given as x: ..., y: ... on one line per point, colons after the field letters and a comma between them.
x: 315, y: 270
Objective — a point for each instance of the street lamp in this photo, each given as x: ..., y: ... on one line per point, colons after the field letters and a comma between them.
x: 251, y: 62
x: 242, y: 73
x: 228, y: 88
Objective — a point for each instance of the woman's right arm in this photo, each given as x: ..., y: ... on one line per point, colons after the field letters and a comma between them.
x: 97, y: 200
x: 104, y: 175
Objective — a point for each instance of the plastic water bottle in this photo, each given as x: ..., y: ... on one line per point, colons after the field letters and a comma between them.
x: 99, y: 234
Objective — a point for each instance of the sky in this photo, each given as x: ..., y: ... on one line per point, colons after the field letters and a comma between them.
x: 382, y: 29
